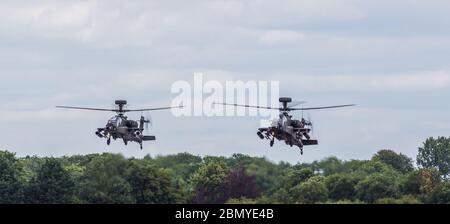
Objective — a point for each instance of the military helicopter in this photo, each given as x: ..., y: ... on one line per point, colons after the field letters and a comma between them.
x: 119, y: 127
x: 291, y: 131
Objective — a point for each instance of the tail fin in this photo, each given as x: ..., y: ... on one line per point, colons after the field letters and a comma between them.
x: 310, y: 142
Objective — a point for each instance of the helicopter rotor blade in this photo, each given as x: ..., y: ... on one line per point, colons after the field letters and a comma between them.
x: 321, y: 108
x: 248, y: 106
x: 86, y: 108
x: 296, y: 103
x: 153, y: 109
x: 311, y: 123
x: 146, y: 127
x: 149, y: 120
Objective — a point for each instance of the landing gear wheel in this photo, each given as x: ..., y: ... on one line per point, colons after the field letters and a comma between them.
x: 141, y: 146
x: 271, y: 143
x: 301, y: 151
x: 108, y: 142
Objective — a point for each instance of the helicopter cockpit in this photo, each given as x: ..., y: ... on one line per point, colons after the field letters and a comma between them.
x: 115, y: 121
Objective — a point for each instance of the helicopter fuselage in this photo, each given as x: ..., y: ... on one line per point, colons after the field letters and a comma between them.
x: 119, y: 127
x: 292, y: 132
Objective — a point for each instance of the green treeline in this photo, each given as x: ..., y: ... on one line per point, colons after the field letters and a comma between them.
x: 388, y: 177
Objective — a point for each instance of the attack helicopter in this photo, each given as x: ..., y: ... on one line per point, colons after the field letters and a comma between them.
x: 291, y: 131
x: 119, y: 127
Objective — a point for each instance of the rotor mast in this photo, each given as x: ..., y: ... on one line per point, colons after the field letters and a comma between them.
x: 284, y: 101
x: 121, y: 104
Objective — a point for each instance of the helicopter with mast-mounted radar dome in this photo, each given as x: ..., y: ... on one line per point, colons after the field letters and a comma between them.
x: 291, y: 131
x: 119, y: 127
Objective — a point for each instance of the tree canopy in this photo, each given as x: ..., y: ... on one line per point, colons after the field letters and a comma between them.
x: 52, y: 184
x: 399, y: 161
x: 435, y: 153
x: 10, y: 181
x: 388, y: 177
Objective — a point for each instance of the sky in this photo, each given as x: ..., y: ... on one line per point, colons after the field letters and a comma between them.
x: 389, y: 57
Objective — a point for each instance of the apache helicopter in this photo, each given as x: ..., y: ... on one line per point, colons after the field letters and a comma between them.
x: 293, y: 132
x: 119, y: 127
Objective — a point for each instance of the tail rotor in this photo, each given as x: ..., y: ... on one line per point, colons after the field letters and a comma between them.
x: 311, y: 123
x: 149, y: 122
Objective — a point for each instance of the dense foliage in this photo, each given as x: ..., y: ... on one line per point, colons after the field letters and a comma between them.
x: 388, y: 177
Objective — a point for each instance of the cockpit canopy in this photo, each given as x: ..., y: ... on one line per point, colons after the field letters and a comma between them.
x: 116, y: 121
x: 130, y: 124
x: 119, y: 121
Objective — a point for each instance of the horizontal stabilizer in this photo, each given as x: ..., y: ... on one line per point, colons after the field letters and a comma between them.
x: 310, y: 142
x: 148, y: 138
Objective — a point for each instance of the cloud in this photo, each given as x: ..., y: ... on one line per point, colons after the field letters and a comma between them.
x: 151, y: 23
x: 422, y: 81
x: 90, y: 52
x: 280, y: 37
x: 49, y: 19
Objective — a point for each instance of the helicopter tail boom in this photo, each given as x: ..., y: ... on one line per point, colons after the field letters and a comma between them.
x: 148, y: 138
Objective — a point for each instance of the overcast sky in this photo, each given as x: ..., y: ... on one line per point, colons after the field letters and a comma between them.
x: 389, y: 57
